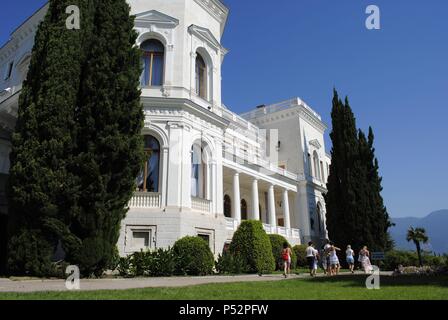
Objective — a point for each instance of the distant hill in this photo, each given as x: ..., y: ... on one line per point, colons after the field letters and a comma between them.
x: 435, y: 224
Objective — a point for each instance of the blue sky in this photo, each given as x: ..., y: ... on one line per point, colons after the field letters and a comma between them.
x: 396, y: 77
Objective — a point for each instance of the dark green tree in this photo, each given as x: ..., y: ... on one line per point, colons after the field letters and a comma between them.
x: 356, y: 214
x: 342, y: 221
x: 40, y: 186
x: 109, y: 151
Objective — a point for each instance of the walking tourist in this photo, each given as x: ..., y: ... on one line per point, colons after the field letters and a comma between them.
x: 349, y: 254
x: 365, y: 260
x: 311, y: 256
x: 286, y: 256
x: 327, y: 247
x: 334, y: 260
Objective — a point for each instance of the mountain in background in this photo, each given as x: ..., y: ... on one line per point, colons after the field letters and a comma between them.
x: 435, y: 224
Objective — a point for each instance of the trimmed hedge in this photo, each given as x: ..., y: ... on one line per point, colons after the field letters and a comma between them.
x: 193, y: 257
x: 229, y: 264
x: 159, y: 263
x: 251, y: 244
x: 394, y: 258
x: 300, y: 252
x: 277, y: 242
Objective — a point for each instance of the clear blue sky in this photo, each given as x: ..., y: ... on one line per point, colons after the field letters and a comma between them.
x: 396, y: 78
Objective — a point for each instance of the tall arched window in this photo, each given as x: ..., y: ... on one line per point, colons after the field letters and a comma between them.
x: 198, y: 172
x: 227, y: 206
x: 148, y: 180
x: 316, y: 165
x: 243, y: 209
x: 201, y: 77
x: 319, y: 218
x: 153, y: 62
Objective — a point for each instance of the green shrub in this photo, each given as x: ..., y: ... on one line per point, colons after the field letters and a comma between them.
x: 162, y: 264
x: 124, y: 266
x: 251, y: 244
x: 300, y: 252
x: 229, y: 264
x: 159, y: 263
x: 277, y: 242
x: 193, y: 257
x: 394, y: 258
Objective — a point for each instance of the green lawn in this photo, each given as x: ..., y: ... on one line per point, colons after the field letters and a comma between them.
x: 343, y: 287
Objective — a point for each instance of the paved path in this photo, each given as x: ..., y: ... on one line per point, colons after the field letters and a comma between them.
x: 7, y: 285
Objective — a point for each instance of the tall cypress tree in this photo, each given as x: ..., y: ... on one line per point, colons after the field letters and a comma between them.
x: 355, y: 210
x: 40, y: 186
x: 341, y: 197
x: 109, y: 151
x: 379, y: 212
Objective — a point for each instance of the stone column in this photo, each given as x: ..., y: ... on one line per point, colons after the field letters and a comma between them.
x: 271, y: 207
x: 255, y: 200
x: 236, y: 197
x: 286, y: 214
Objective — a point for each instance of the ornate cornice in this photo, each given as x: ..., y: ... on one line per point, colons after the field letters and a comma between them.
x: 216, y: 9
x: 155, y: 17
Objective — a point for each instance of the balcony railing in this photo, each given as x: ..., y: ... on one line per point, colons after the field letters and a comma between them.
x: 295, y: 233
x: 145, y: 200
x: 202, y: 205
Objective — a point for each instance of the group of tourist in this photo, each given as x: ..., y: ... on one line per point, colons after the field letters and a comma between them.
x: 328, y: 259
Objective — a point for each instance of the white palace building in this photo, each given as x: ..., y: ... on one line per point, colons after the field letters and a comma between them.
x: 207, y: 168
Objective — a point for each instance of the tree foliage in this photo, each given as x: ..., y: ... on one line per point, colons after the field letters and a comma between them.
x: 77, y: 147
x: 356, y: 214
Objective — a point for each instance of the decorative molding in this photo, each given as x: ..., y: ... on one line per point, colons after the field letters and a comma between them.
x: 315, y: 143
x: 206, y: 36
x: 215, y: 8
x: 155, y: 18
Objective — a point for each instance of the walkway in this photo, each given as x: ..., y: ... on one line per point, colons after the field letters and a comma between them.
x: 7, y: 285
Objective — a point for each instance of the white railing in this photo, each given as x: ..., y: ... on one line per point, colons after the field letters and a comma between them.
x: 231, y: 224
x: 267, y: 228
x: 295, y: 233
x: 202, y: 205
x: 282, y: 231
x: 284, y: 105
x: 145, y: 200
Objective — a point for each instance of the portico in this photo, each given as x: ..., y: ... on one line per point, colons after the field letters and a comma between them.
x: 252, y: 195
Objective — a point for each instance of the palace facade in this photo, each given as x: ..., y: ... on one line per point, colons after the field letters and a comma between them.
x: 207, y: 167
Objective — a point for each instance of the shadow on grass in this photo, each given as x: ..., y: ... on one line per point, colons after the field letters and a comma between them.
x: 392, y: 281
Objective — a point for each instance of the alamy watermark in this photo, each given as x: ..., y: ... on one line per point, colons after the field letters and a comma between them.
x: 373, y: 281
x: 73, y: 280
x: 73, y: 21
x: 373, y: 21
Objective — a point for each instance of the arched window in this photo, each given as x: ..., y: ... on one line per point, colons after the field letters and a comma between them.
x: 198, y: 172
x: 148, y: 180
x: 153, y: 53
x: 227, y: 206
x: 316, y: 165
x: 243, y: 209
x: 201, y: 77
x: 319, y: 218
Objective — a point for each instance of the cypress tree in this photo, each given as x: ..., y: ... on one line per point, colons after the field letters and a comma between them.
x: 379, y: 213
x: 355, y: 209
x: 109, y: 150
x: 40, y: 186
x: 341, y: 196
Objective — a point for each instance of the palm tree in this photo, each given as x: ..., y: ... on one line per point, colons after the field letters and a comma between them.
x: 417, y: 235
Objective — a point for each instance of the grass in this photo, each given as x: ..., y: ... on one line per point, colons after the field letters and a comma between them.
x: 345, y: 287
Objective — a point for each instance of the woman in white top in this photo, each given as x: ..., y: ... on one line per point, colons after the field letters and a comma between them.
x: 349, y: 254
x: 365, y: 260
x: 311, y: 256
x: 334, y: 260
